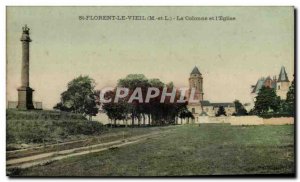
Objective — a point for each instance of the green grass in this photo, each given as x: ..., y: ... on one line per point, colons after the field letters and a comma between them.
x: 27, y: 127
x: 188, y: 150
x: 15, y: 114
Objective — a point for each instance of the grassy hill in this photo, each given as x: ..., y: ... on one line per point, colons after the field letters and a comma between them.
x: 39, y: 126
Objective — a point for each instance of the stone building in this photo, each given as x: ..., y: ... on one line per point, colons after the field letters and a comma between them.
x: 281, y: 85
x: 196, y: 83
x: 203, y: 107
x: 211, y: 109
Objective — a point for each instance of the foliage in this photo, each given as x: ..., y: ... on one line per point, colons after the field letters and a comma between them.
x: 79, y: 97
x: 116, y: 111
x: 290, y: 99
x: 221, y: 111
x: 239, y: 109
x: 185, y: 113
x: 158, y: 113
x: 266, y: 101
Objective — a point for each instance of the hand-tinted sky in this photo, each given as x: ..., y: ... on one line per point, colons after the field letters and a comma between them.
x: 231, y: 55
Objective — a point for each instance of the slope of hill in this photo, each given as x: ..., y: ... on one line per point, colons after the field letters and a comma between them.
x: 40, y: 126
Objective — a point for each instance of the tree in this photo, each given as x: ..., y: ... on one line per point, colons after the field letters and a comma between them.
x: 90, y: 106
x: 221, y: 111
x: 80, y: 97
x: 266, y: 101
x: 158, y: 113
x: 185, y: 113
x: 60, y: 106
x: 290, y: 99
x: 133, y: 81
x: 115, y: 111
x: 239, y: 108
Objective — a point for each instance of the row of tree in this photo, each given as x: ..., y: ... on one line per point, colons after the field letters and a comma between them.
x: 81, y: 97
x: 157, y: 113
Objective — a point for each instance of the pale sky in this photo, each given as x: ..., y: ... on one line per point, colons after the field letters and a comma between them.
x: 231, y: 55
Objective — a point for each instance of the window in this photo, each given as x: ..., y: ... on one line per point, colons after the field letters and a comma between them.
x: 278, y: 87
x: 193, y: 110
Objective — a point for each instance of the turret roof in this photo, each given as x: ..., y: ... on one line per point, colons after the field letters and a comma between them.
x: 283, y: 76
x: 195, y: 71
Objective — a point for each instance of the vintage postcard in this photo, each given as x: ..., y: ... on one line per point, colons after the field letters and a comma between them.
x: 150, y: 91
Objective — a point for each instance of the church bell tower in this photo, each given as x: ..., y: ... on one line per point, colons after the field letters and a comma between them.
x: 196, y: 82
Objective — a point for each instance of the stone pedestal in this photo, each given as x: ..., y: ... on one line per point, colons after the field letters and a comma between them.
x: 25, y: 98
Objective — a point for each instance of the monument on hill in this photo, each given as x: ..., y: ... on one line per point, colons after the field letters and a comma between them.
x: 25, y: 92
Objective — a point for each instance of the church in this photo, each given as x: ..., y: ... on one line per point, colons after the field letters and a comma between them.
x: 204, y: 107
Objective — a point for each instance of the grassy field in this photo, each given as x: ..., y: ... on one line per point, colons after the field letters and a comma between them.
x: 188, y: 150
x: 42, y: 127
x: 29, y: 129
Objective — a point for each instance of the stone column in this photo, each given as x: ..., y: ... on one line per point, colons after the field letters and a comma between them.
x: 25, y: 92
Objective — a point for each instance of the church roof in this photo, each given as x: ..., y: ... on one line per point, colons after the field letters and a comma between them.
x: 195, y: 71
x: 224, y: 104
x: 282, y: 75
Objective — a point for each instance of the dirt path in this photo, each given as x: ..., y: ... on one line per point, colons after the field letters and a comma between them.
x: 44, y: 158
x: 65, y: 145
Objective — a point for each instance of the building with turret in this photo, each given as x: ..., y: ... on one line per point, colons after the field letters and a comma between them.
x: 195, y: 90
x: 281, y: 85
x: 203, y: 107
x: 196, y: 82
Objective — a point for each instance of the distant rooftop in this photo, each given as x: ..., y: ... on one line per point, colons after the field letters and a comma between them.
x: 282, y: 75
x: 195, y: 71
x: 262, y: 81
x: 258, y: 85
x: 217, y: 104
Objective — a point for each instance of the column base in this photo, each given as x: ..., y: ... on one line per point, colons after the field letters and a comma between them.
x: 25, y: 98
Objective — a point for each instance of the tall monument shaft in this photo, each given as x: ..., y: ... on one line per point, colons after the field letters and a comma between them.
x: 25, y: 92
x: 25, y: 64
